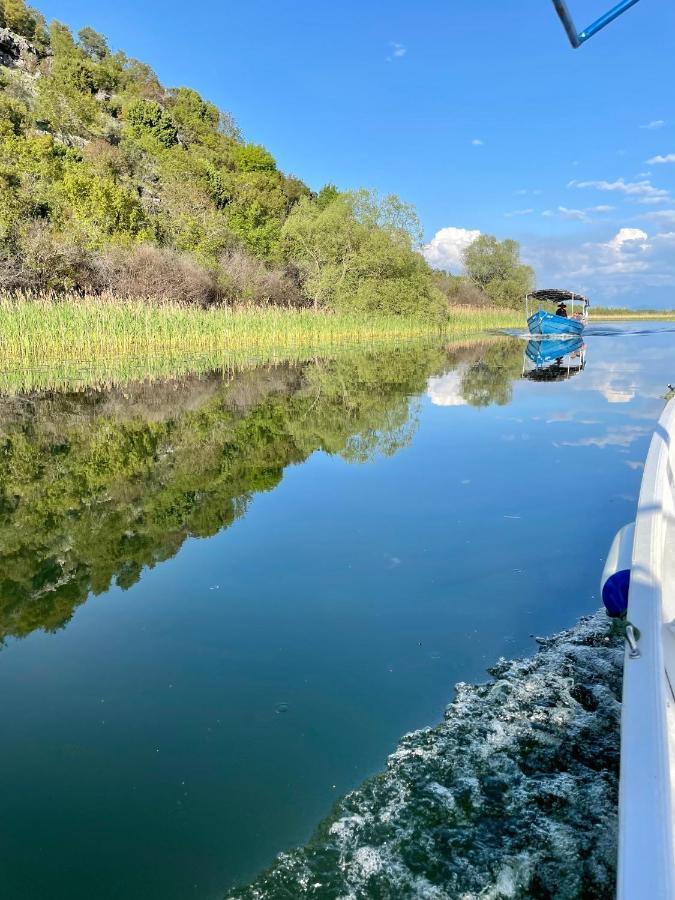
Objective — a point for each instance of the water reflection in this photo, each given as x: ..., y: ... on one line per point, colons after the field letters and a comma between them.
x: 97, y: 485
x: 554, y: 360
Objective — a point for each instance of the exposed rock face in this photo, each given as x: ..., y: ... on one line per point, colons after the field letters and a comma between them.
x: 17, y: 52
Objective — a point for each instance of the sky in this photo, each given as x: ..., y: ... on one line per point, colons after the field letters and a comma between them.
x: 478, y: 113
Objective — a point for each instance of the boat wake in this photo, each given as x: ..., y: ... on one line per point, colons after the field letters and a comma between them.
x: 513, y: 795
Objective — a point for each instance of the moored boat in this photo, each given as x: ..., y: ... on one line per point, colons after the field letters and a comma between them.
x: 639, y: 579
x: 542, y: 321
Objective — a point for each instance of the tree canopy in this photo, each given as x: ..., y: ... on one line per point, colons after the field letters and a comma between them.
x: 495, y: 268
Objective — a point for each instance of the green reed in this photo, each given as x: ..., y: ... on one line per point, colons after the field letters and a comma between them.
x: 38, y: 331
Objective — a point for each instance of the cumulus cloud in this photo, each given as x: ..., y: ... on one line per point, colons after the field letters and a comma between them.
x: 444, y: 250
x: 660, y: 160
x: 627, y: 264
x: 628, y: 236
x: 477, y: 142
x: 644, y: 191
x: 657, y: 123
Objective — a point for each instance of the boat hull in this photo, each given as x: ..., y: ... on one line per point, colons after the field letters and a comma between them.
x: 646, y: 865
x: 543, y: 322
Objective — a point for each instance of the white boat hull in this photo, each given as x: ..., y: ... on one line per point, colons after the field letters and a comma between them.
x: 646, y: 864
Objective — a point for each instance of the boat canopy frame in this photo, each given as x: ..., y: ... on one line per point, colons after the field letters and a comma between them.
x: 556, y: 295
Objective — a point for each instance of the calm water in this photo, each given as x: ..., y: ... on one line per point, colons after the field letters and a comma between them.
x: 223, y: 601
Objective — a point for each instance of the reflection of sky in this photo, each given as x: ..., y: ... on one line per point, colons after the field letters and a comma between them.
x: 617, y: 380
x: 445, y: 390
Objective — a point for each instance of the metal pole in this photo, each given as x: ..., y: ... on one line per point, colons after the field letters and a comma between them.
x: 576, y: 40
x: 608, y: 17
x: 568, y: 24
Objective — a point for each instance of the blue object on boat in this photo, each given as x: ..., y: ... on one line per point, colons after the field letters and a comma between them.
x: 543, y: 322
x: 542, y: 352
x: 615, y: 593
x: 615, y: 582
x: 576, y: 40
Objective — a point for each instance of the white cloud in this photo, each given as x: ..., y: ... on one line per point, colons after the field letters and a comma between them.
x: 519, y: 212
x: 397, y: 51
x: 627, y: 236
x: 446, y: 390
x: 577, y: 215
x: 660, y: 160
x: 477, y: 142
x: 444, y: 250
x: 657, y: 123
x: 639, y: 189
x: 665, y: 216
x: 628, y: 265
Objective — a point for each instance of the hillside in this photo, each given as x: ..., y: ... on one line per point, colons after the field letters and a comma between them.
x: 110, y: 181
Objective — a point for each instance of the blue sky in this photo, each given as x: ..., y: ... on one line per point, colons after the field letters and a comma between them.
x: 480, y: 114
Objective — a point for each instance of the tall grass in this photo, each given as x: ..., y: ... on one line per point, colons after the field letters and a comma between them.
x: 78, y: 343
x: 37, y: 331
x: 610, y: 312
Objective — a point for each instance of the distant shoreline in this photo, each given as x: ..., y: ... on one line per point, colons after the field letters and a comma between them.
x: 667, y: 315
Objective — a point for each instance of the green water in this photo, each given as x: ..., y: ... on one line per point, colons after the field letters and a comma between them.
x: 224, y: 599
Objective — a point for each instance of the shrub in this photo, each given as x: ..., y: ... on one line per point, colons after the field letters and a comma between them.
x: 146, y: 117
x: 247, y: 280
x: 151, y: 273
x: 47, y: 262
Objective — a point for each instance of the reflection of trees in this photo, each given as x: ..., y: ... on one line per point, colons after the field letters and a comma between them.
x: 489, y: 378
x: 95, y: 487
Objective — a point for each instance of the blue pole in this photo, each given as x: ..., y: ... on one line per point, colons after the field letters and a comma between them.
x: 605, y: 20
x: 576, y: 40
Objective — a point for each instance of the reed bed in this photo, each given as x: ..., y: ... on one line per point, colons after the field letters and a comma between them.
x: 78, y: 343
x: 36, y: 331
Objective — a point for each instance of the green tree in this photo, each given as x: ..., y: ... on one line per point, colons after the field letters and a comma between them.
x: 19, y: 17
x: 254, y: 158
x: 93, y: 43
x: 148, y: 118
x: 357, y: 252
x: 196, y: 120
x: 495, y: 268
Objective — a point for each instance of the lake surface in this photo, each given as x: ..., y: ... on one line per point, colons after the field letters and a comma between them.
x: 225, y: 598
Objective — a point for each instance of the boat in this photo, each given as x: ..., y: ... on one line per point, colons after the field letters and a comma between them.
x: 639, y: 583
x: 544, y: 322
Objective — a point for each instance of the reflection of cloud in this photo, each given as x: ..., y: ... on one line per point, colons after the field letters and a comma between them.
x: 623, y: 436
x: 616, y: 381
x: 445, y: 390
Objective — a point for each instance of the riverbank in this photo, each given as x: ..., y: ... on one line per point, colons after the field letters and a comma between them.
x: 38, y: 332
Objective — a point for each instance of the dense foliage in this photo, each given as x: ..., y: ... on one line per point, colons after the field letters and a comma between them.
x: 97, y: 158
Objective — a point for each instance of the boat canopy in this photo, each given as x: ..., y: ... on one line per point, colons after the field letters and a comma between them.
x: 555, y: 295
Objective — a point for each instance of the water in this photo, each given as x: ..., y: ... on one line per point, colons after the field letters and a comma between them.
x: 224, y: 600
